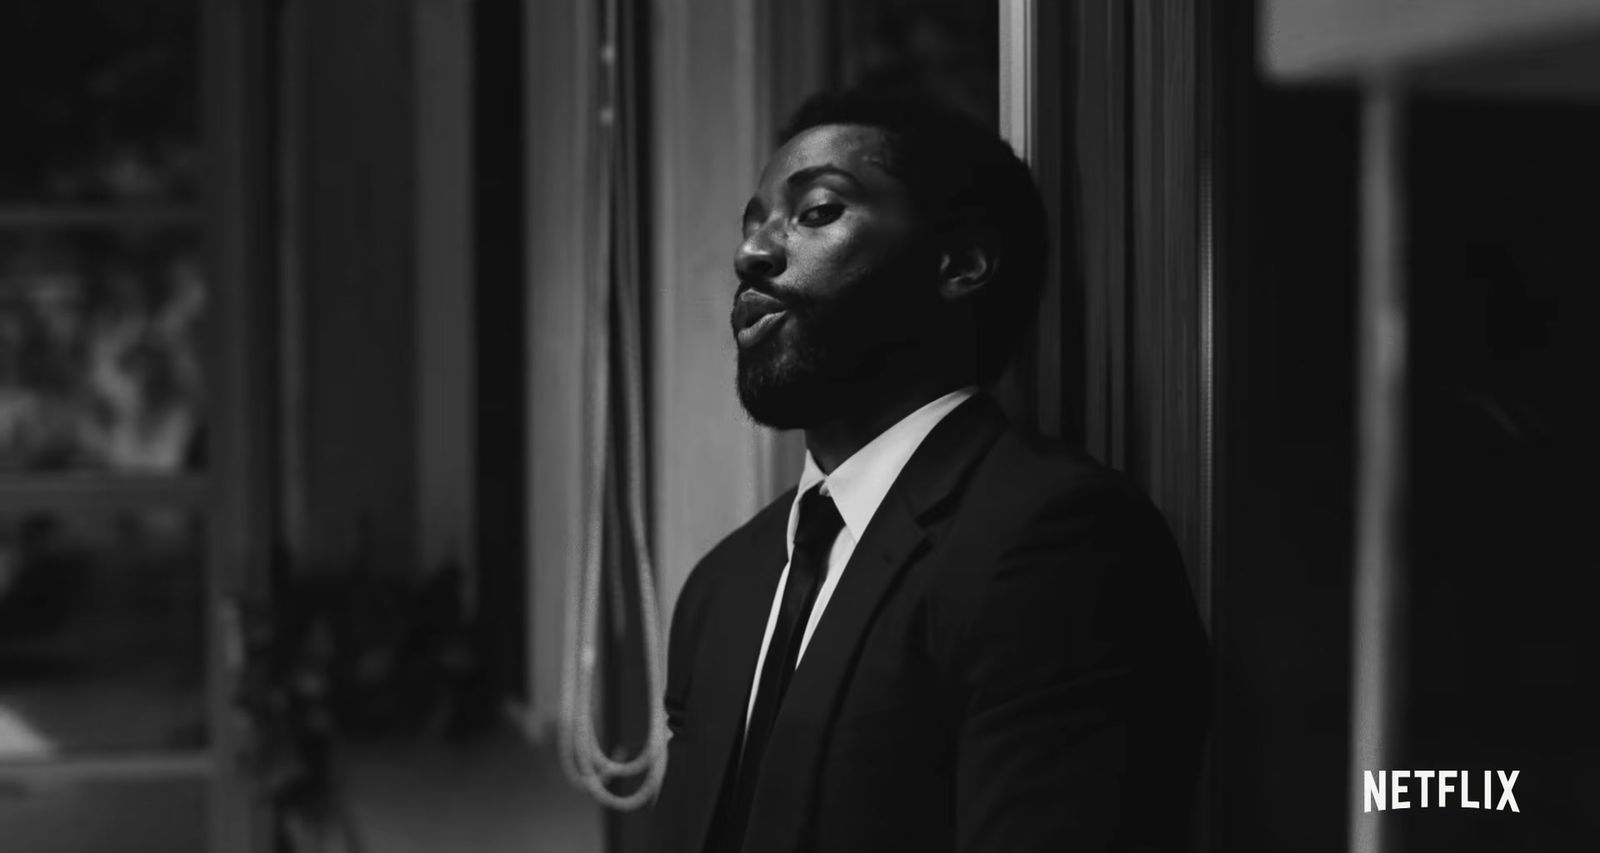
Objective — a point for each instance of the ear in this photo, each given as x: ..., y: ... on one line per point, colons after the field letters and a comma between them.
x: 965, y: 267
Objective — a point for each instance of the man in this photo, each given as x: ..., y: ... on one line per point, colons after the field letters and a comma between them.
x: 950, y: 635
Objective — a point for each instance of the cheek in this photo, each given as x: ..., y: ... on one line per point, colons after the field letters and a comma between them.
x: 833, y: 260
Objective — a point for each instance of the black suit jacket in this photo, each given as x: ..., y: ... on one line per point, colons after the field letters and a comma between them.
x: 1012, y: 661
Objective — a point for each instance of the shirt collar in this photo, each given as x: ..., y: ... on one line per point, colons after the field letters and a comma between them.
x: 860, y: 483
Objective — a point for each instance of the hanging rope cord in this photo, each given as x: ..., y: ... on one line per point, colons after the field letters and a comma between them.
x: 584, y: 757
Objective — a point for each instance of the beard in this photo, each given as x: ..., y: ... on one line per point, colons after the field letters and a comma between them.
x: 830, y: 353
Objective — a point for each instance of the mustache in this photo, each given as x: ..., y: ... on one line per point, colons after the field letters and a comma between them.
x: 792, y: 300
x: 760, y: 285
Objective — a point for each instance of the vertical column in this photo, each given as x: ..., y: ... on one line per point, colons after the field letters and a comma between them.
x: 242, y: 465
x: 1378, y: 649
x: 444, y: 398
x: 1018, y: 78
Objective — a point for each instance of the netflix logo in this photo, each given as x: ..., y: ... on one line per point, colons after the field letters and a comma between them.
x: 1462, y: 789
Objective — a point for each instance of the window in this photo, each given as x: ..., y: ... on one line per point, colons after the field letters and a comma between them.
x: 114, y: 497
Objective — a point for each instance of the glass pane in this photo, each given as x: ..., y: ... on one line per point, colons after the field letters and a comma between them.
x: 167, y: 816
x: 101, y: 645
x: 100, y: 350
x: 98, y: 98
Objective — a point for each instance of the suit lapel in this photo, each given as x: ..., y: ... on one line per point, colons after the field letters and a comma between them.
x: 736, y: 621
x: 896, y: 537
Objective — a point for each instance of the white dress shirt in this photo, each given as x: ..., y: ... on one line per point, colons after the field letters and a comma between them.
x: 857, y: 487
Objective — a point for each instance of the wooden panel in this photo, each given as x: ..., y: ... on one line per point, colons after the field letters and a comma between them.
x: 1100, y: 92
x: 1140, y: 100
x: 1164, y: 300
x: 1144, y: 315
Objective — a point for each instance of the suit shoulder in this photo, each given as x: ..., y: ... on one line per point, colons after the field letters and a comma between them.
x: 1044, y: 517
x: 725, y: 555
x: 1033, y: 473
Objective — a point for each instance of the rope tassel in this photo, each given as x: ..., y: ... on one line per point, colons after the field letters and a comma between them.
x: 614, y: 343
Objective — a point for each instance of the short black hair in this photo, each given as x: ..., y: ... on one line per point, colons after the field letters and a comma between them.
x: 962, y: 174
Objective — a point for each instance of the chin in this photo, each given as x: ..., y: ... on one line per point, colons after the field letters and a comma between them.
x: 777, y: 411
x: 779, y: 404
x: 784, y: 393
x: 799, y: 380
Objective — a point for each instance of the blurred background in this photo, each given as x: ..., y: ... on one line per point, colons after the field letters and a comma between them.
x: 366, y: 390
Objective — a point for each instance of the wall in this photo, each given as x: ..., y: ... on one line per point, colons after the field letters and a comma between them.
x: 709, y: 462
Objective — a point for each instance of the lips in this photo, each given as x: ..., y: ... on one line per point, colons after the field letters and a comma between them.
x: 755, y: 316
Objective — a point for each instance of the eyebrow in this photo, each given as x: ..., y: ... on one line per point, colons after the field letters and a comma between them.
x: 811, y: 173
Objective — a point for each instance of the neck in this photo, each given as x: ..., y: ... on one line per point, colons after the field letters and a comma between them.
x: 836, y: 440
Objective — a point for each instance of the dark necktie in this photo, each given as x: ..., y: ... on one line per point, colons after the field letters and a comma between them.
x: 813, y: 540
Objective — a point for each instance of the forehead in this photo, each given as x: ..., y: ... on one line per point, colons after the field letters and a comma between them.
x: 861, y: 150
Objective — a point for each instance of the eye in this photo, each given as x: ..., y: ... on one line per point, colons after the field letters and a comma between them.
x: 820, y: 214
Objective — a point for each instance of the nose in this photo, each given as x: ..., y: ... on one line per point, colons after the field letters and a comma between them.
x: 761, y: 255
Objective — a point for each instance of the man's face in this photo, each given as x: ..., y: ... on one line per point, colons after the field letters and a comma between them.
x: 832, y: 280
